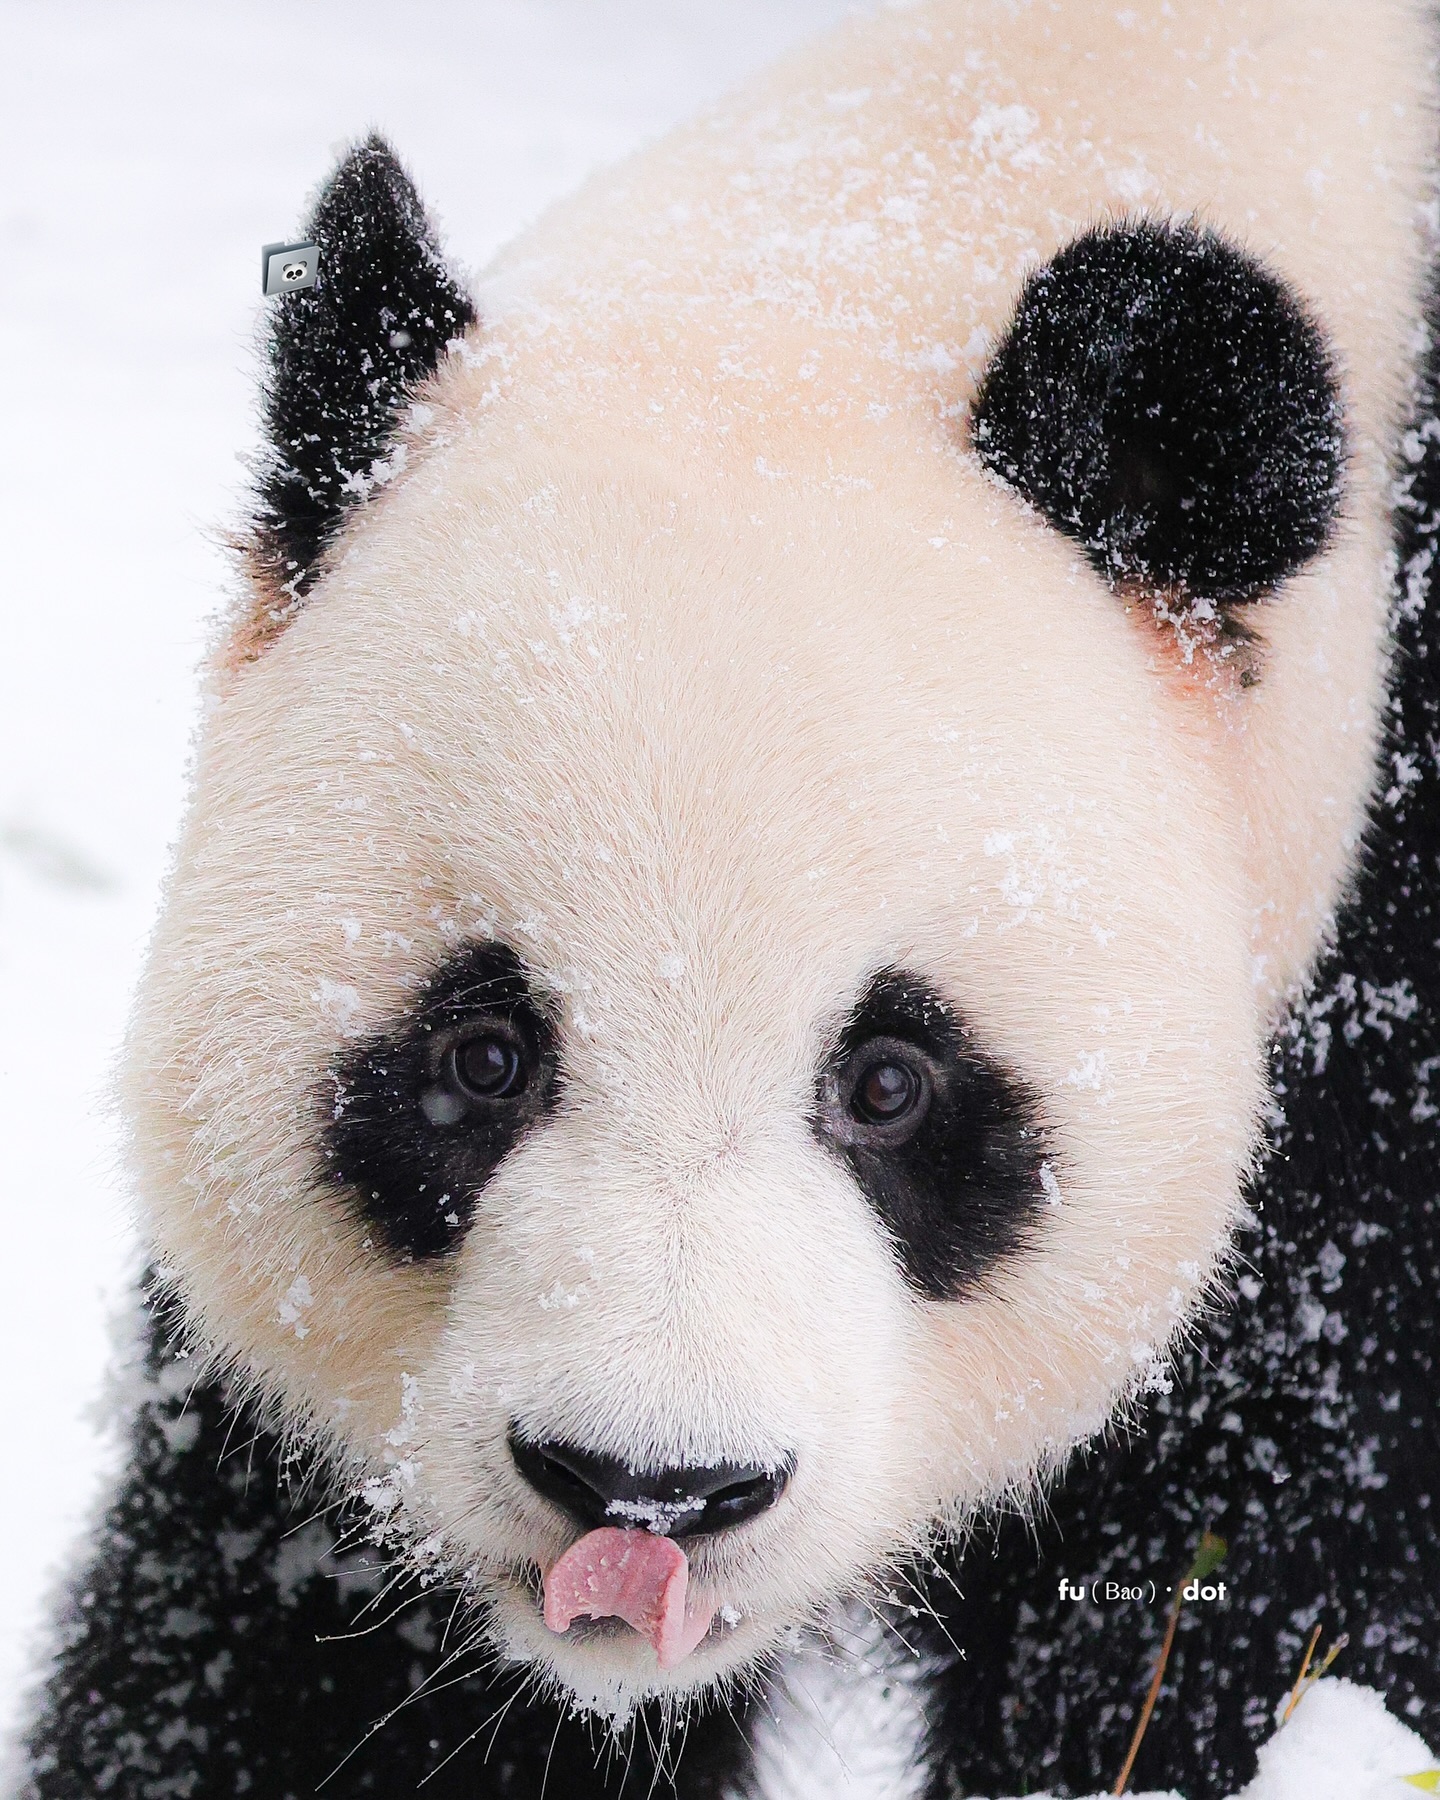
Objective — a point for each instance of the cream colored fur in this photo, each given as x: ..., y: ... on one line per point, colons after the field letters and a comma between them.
x: 693, y: 655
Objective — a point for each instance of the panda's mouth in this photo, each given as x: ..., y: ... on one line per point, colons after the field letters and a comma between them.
x: 628, y: 1571
x: 613, y: 1586
x: 632, y: 1576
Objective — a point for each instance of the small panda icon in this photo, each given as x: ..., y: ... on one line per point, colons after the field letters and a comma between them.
x: 288, y: 268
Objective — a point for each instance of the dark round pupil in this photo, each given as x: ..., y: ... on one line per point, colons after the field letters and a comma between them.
x: 489, y: 1066
x: 886, y: 1091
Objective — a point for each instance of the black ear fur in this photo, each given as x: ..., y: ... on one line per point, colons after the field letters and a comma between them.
x: 343, y: 358
x: 1169, y: 403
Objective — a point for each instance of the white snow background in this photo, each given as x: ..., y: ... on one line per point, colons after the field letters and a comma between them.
x: 147, y: 149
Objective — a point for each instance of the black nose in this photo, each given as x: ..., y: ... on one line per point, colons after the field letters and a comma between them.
x: 601, y: 1490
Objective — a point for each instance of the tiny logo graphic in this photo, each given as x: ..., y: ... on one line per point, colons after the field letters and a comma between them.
x: 288, y: 268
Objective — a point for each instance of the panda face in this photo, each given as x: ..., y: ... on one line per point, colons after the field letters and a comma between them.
x: 694, y: 1033
x: 717, y: 971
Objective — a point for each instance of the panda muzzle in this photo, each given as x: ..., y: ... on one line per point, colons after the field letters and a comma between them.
x: 628, y: 1565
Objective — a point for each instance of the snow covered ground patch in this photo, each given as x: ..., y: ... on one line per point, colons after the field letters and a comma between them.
x: 1340, y: 1743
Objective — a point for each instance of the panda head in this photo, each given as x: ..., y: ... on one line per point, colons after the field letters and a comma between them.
x: 688, y: 1005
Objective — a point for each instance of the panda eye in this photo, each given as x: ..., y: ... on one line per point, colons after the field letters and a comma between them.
x: 889, y: 1087
x: 419, y: 1117
x: 478, y: 1074
x: 946, y: 1142
x: 489, y: 1066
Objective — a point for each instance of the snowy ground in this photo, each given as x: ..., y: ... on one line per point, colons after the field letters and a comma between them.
x: 1339, y: 1744
x: 149, y: 147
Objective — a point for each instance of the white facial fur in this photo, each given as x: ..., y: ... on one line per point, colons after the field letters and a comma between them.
x: 693, y: 658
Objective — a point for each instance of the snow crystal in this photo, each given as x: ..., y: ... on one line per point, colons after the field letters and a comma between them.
x: 656, y: 1515
x: 1005, y: 131
x: 1089, y: 1070
x: 562, y: 1298
x: 1340, y: 1744
x: 340, y: 1005
x: 293, y: 1305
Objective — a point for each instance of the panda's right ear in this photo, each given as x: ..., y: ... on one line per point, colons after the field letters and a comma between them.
x: 343, y: 359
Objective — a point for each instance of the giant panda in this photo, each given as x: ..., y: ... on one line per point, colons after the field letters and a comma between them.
x: 796, y: 1013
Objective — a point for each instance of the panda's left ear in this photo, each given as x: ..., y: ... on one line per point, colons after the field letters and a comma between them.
x: 344, y: 357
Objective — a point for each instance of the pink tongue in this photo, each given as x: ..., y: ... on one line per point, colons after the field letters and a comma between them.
x: 631, y: 1575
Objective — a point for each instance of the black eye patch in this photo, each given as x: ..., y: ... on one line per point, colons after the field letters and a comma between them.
x: 946, y: 1143
x: 1168, y: 403
x: 418, y: 1118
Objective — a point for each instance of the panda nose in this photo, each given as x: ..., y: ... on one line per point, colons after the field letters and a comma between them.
x: 679, y: 1503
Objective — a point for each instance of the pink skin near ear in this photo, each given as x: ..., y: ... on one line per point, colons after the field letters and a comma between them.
x: 631, y: 1575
